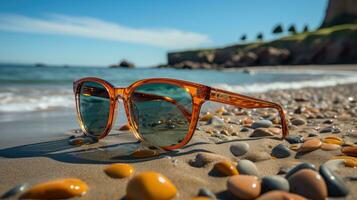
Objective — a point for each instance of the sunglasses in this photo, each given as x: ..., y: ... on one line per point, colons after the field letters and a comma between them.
x: 162, y: 112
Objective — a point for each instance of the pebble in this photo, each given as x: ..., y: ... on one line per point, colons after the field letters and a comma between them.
x: 280, y: 195
x: 280, y: 151
x: 258, y: 156
x: 119, y: 170
x: 310, y: 145
x: 299, y: 167
x: 335, y: 185
x: 58, y: 189
x: 203, y: 159
x: 294, y: 139
x: 14, y: 191
x: 247, y: 121
x: 244, y: 129
x: 270, y: 183
x: 204, y: 192
x: 350, y: 151
x: 150, y: 186
x: 261, y: 132
x: 334, y: 164
x: 295, y: 147
x: 247, y: 167
x: 239, y: 148
x: 215, y: 121
x: 328, y: 121
x: 225, y: 168
x: 329, y: 147
x: 262, y: 124
x: 298, y: 122
x: 333, y: 140
x: 349, y: 160
x: 206, y: 117
x: 125, y: 127
x: 144, y: 153
x: 244, y: 186
x: 327, y: 129
x: 308, y: 183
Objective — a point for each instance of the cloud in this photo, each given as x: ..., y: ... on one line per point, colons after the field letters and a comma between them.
x: 99, y: 29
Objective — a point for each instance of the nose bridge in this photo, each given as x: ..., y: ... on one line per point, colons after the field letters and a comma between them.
x: 120, y: 93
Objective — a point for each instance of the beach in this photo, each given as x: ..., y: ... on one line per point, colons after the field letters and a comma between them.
x: 312, y: 112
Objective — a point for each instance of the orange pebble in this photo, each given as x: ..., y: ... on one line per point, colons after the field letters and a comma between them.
x: 350, y: 151
x: 144, y: 153
x: 119, y: 170
x: 225, y: 168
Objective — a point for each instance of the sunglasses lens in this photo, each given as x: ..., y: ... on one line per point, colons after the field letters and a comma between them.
x: 161, y: 113
x: 94, y: 105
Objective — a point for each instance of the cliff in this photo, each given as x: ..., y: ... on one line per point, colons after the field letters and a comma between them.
x: 340, y: 12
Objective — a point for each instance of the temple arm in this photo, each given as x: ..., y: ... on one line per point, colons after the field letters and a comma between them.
x: 243, y: 101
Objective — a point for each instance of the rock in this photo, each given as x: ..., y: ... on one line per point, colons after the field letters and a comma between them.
x: 280, y: 151
x: 299, y: 167
x: 295, y: 147
x: 258, y: 156
x: 123, y: 64
x: 203, y: 159
x: 244, y: 186
x: 58, y: 189
x: 335, y: 185
x: 329, y: 147
x: 244, y: 129
x: 334, y: 164
x: 333, y: 140
x: 225, y: 168
x: 310, y: 145
x: 348, y: 160
x: 206, y: 117
x: 328, y: 121
x: 204, y: 192
x: 239, y: 148
x: 308, y: 183
x: 215, y: 121
x: 150, y: 186
x: 327, y: 129
x: 262, y: 124
x: 298, y: 122
x: 14, y: 191
x: 119, y: 170
x: 270, y: 183
x: 261, y: 132
x: 280, y: 195
x: 247, y: 167
x: 294, y: 139
x: 350, y: 151
x: 268, y: 56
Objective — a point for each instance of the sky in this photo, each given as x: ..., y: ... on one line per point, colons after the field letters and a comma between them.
x: 100, y: 33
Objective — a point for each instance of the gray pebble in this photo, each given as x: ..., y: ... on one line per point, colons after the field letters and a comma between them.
x: 270, y: 183
x: 247, y: 167
x: 327, y: 129
x: 280, y: 151
x: 328, y: 121
x: 294, y: 139
x: 335, y: 185
x: 298, y: 122
x: 204, y: 192
x: 239, y: 148
x: 14, y: 191
x: 262, y: 124
x: 299, y: 167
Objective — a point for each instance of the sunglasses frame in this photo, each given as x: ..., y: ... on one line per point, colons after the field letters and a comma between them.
x: 199, y: 93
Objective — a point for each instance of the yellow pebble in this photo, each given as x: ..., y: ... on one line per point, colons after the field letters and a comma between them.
x: 58, y: 189
x: 221, y: 110
x: 295, y: 147
x: 333, y: 140
x: 206, y: 117
x: 150, y: 186
x: 225, y: 168
x: 119, y: 170
x: 349, y: 160
x: 144, y: 153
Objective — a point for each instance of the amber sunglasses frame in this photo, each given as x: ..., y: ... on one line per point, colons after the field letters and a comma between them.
x: 199, y: 93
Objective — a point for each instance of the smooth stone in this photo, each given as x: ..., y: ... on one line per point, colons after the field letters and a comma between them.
x: 239, y: 148
x: 206, y: 117
x: 247, y: 167
x: 244, y: 129
x: 280, y: 151
x: 335, y: 185
x: 299, y: 167
x: 329, y: 147
x: 312, y: 135
x: 327, y: 129
x: 261, y: 124
x: 150, y: 186
x: 295, y: 147
x: 298, y: 122
x: 333, y: 140
x: 244, y: 186
x: 258, y: 156
x: 328, y: 121
x: 119, y: 170
x: 310, y: 145
x: 58, y: 189
x: 247, y: 121
x: 280, y: 195
x: 125, y: 127
x: 261, y: 132
x: 204, y: 192
x: 334, y: 164
x: 270, y: 183
x: 144, y: 153
x: 308, y: 183
x: 216, y: 121
x: 225, y: 168
x: 203, y: 159
x: 350, y: 151
x: 14, y: 191
x: 349, y: 160
x: 294, y: 139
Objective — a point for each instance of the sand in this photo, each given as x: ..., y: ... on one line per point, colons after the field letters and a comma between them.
x: 52, y: 157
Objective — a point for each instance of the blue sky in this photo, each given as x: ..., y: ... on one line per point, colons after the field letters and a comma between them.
x: 98, y: 33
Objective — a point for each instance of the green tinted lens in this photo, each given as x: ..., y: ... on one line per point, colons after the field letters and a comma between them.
x: 94, y: 107
x: 161, y: 113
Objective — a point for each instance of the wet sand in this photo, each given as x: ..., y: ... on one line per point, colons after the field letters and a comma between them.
x: 52, y: 158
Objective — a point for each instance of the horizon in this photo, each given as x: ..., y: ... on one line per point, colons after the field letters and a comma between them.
x: 95, y: 34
